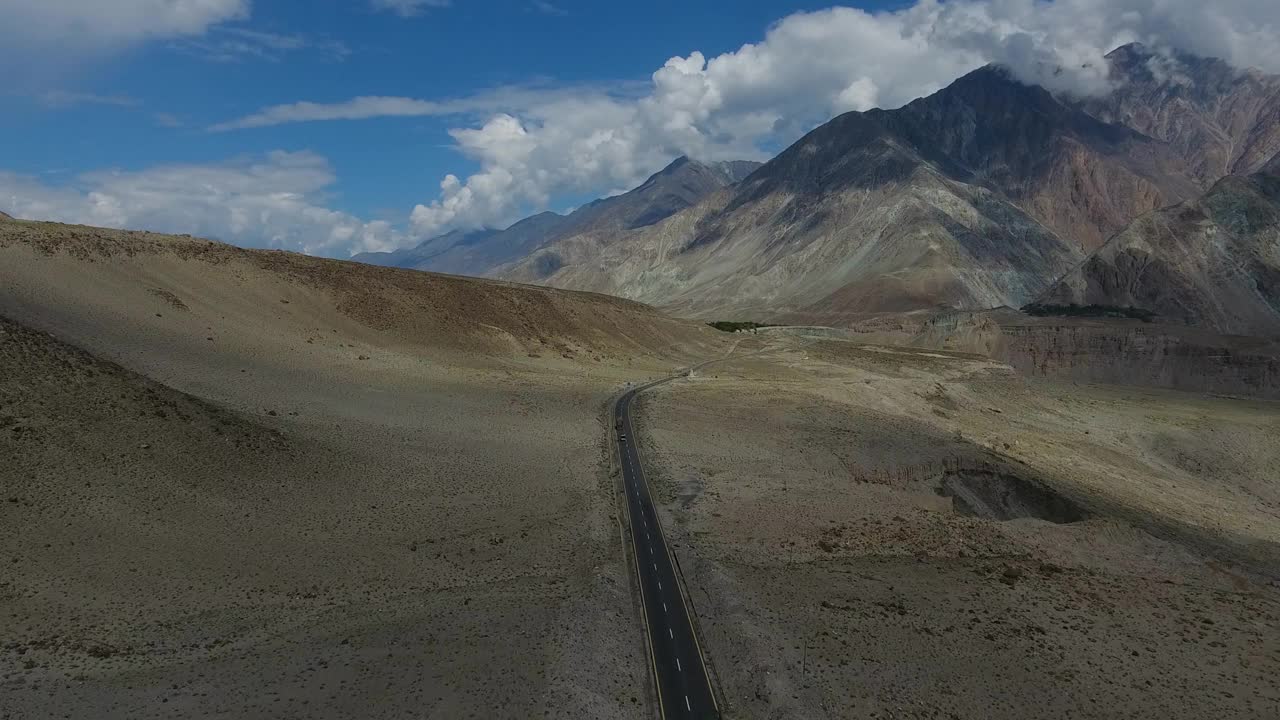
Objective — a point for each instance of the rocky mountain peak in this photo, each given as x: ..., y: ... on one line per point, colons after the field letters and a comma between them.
x: 684, y: 167
x: 1218, y: 118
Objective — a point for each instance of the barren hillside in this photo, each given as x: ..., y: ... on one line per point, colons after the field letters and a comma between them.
x: 280, y: 486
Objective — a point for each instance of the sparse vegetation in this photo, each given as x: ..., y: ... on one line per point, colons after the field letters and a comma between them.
x: 731, y: 326
x: 1074, y: 310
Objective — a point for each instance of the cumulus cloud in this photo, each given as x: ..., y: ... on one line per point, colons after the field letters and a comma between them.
x: 270, y: 201
x: 809, y: 67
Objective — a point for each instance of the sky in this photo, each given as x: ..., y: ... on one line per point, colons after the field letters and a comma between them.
x: 339, y: 126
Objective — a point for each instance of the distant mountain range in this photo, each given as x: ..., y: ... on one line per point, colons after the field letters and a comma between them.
x: 988, y: 193
x: 680, y: 185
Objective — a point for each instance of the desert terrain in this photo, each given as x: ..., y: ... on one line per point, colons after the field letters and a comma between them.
x: 250, y: 484
x: 255, y: 484
x: 879, y: 532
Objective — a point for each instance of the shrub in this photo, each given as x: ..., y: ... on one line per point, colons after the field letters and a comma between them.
x: 731, y: 326
x: 1074, y: 310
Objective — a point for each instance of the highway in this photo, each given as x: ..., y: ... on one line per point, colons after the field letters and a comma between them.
x: 680, y: 673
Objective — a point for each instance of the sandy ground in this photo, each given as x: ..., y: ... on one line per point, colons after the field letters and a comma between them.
x: 834, y: 580
x: 328, y: 508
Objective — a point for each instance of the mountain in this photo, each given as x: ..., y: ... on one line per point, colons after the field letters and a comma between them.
x: 850, y: 216
x: 978, y: 196
x: 1221, y: 119
x: 459, y: 249
x: 1080, y: 176
x: 1273, y: 166
x: 680, y: 185
x: 983, y: 194
x: 1213, y: 262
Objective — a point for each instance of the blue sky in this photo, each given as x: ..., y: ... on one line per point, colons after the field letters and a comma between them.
x: 384, y: 165
x: 334, y: 126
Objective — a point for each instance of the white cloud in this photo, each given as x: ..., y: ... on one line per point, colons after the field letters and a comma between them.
x: 408, y: 8
x: 533, y: 144
x: 235, y: 44
x: 47, y: 37
x: 354, y: 109
x: 60, y: 99
x: 111, y: 23
x: 809, y: 67
x: 44, y: 41
x: 548, y: 8
x: 270, y: 201
x: 502, y: 99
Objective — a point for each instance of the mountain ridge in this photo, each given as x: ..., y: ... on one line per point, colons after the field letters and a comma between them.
x: 981, y: 195
x: 679, y: 185
x: 1213, y: 262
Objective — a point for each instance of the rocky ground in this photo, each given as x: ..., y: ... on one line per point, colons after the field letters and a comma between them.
x: 890, y: 533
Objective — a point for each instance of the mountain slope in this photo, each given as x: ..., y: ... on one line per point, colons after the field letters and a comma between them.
x: 1082, y: 177
x: 1222, y: 120
x: 138, y: 271
x: 1213, y: 262
x: 680, y: 185
x: 978, y: 196
x: 983, y: 194
x: 458, y: 250
x: 849, y: 219
x: 233, y: 464
x: 1273, y: 165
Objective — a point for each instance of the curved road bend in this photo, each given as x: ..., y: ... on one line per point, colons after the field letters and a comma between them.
x: 684, y: 688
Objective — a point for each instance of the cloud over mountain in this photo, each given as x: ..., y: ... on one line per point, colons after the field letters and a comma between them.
x: 538, y: 144
x: 809, y: 67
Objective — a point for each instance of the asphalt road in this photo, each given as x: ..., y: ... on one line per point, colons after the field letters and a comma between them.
x: 684, y: 688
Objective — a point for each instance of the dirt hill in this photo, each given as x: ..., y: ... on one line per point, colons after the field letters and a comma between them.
x: 253, y: 484
x: 189, y: 286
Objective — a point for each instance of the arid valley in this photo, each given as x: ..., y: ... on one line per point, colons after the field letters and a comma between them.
x: 233, y: 488
x: 439, y: 359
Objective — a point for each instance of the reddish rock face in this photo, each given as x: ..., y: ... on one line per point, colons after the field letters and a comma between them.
x: 1221, y: 120
x: 1213, y: 262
